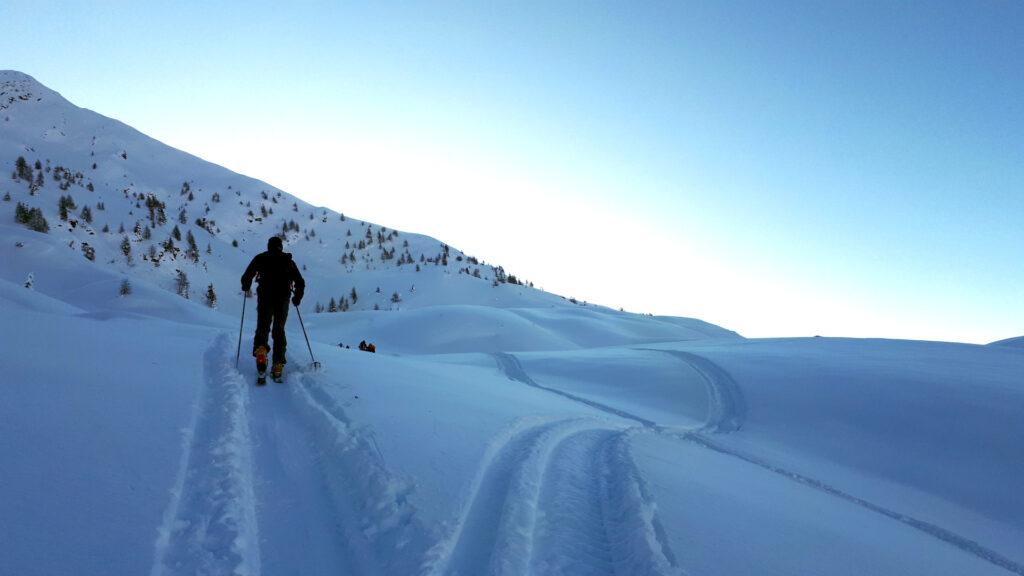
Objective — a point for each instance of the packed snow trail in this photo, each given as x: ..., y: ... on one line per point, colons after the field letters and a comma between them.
x: 210, y: 526
x: 597, y: 515
x: 379, y: 525
x: 556, y: 497
x: 300, y: 532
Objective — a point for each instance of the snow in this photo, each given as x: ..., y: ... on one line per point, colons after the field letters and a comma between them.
x: 499, y: 429
x: 1016, y: 342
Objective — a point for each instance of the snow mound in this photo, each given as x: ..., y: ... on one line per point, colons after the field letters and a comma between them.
x: 1017, y: 342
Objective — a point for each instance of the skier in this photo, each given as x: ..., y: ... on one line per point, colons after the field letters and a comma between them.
x: 277, y: 274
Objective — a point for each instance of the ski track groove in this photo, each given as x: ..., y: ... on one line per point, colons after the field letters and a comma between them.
x: 510, y: 365
x: 301, y: 532
x: 377, y: 519
x: 209, y: 525
x: 727, y: 414
x: 727, y: 406
x: 963, y: 543
x: 528, y: 474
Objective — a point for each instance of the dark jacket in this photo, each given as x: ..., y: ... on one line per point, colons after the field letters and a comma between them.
x: 276, y: 272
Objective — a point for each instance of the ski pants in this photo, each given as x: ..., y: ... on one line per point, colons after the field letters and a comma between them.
x: 271, y: 314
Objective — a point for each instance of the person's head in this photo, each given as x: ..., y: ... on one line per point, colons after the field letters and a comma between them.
x: 275, y: 244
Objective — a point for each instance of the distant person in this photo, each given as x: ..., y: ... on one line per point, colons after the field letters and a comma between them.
x: 278, y: 276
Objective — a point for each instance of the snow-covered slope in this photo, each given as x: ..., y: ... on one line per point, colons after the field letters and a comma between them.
x: 499, y: 430
x: 140, y: 192
x: 1017, y: 342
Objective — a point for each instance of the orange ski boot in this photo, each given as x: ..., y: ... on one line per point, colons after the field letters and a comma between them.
x: 261, y: 365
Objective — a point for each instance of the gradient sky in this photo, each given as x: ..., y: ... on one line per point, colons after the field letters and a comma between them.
x: 779, y: 168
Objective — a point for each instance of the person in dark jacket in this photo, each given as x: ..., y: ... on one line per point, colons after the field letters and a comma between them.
x: 278, y: 276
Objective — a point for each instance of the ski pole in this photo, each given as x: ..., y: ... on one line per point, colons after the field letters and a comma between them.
x: 316, y: 365
x: 240, y: 326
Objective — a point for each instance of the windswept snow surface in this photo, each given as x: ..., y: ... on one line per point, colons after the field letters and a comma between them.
x: 1017, y: 342
x: 498, y: 430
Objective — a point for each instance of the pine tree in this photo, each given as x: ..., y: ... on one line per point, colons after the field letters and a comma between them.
x: 86, y: 214
x: 30, y: 281
x: 211, y: 297
x: 126, y: 249
x: 126, y: 288
x: 157, y: 216
x: 64, y: 204
x: 176, y: 233
x: 32, y: 218
x: 22, y: 170
x: 353, y: 295
x: 193, y: 250
x: 332, y: 306
x: 182, y: 285
x: 37, y: 222
x: 21, y: 213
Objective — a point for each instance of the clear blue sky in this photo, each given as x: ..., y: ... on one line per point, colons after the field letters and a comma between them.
x: 780, y: 168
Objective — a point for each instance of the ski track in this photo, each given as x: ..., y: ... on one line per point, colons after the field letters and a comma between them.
x: 377, y: 521
x: 558, y: 497
x: 299, y: 533
x: 510, y: 365
x: 963, y: 543
x: 727, y: 406
x: 727, y: 413
x: 209, y: 525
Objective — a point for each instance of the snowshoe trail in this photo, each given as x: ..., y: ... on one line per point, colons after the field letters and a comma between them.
x: 555, y: 498
x: 210, y: 526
